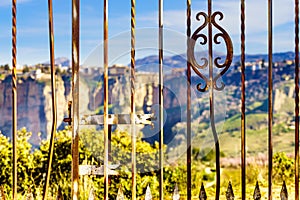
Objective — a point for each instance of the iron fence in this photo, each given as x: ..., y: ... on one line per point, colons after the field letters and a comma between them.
x: 210, y: 83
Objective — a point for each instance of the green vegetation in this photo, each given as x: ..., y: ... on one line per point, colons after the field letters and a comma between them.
x: 4, y: 67
x: 32, y: 167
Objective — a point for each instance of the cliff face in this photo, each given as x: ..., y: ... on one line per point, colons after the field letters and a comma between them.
x: 35, y: 102
x: 120, y: 95
x: 146, y: 100
x: 34, y: 108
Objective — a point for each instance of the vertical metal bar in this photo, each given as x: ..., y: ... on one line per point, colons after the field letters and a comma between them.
x: 270, y: 96
x: 211, y: 101
x: 14, y: 95
x: 188, y: 106
x: 105, y: 34
x: 297, y: 99
x: 243, y: 95
x: 53, y: 89
x: 132, y: 108
x: 75, y: 92
x: 161, y: 102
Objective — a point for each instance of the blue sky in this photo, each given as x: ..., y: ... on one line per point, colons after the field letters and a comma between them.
x: 32, y: 30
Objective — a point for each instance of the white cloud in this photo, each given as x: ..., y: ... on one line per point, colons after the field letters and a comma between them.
x: 256, y: 14
x: 256, y: 22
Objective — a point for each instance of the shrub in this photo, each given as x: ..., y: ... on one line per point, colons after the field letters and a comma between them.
x: 283, y: 167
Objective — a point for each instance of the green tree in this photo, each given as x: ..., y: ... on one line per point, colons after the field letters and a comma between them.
x: 25, y: 69
x: 5, y: 164
x: 6, y: 67
x: 25, y: 164
x: 283, y: 167
x: 32, y: 165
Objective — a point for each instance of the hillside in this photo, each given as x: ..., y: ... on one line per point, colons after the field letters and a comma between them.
x: 34, y: 101
x: 179, y: 61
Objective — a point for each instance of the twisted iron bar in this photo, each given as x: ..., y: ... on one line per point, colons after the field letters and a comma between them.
x: 161, y: 101
x: 188, y: 109
x: 270, y: 97
x: 243, y: 99
x: 132, y: 116
x: 211, y: 82
x: 14, y: 95
x: 75, y: 97
x: 296, y: 99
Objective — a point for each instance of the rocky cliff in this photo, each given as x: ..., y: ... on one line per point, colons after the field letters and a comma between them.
x: 35, y: 103
x: 34, y: 109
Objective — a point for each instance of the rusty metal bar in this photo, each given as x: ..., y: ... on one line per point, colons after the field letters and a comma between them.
x: 132, y: 105
x: 53, y: 95
x: 211, y: 100
x: 188, y: 106
x: 161, y: 102
x: 14, y: 96
x: 243, y: 107
x: 75, y: 93
x: 270, y: 96
x: 211, y: 82
x: 296, y: 99
x: 105, y: 55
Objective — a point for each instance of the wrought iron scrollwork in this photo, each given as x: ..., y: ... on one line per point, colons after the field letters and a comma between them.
x: 216, y: 34
x: 210, y: 20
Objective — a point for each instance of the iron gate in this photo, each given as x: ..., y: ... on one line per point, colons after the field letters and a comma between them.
x: 210, y: 83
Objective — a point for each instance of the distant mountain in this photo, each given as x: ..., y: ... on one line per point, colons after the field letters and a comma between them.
x: 63, y: 61
x: 276, y: 57
x: 148, y: 63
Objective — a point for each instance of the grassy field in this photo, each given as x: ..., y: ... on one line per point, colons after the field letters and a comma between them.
x: 256, y: 148
x: 256, y: 136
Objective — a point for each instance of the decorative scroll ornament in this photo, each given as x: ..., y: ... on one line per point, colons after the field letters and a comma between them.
x: 210, y: 21
x: 215, y: 35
